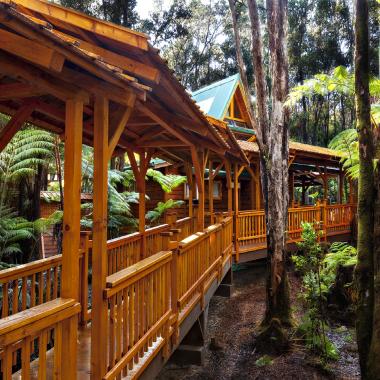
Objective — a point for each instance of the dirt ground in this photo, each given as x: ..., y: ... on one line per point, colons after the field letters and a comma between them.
x: 230, y: 352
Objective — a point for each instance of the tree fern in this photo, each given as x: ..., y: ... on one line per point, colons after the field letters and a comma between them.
x: 168, y: 182
x: 156, y: 214
x: 346, y: 143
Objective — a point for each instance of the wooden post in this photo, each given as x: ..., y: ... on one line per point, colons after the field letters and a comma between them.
x: 99, y: 249
x: 227, y: 165
x: 198, y: 161
x: 291, y: 188
x: 142, y: 209
x: 189, y: 175
x: 211, y: 191
x: 236, y: 209
x: 71, y: 230
x: 341, y: 186
x: 303, y: 195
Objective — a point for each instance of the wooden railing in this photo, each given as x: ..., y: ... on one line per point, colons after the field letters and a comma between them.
x: 139, y: 312
x: 187, y: 227
x: 330, y: 219
x: 31, y: 333
x: 199, y: 262
x: 148, y: 300
x: 29, y: 285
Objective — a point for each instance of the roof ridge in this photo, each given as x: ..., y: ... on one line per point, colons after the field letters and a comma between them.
x: 216, y: 84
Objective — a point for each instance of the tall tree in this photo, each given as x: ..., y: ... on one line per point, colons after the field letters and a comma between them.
x: 272, y: 135
x: 366, y: 195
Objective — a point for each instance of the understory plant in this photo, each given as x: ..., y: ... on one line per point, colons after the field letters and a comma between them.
x: 154, y: 216
x: 309, y: 262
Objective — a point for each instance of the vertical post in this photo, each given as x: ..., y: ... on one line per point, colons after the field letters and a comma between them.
x: 142, y: 206
x: 198, y: 161
x: 85, y: 235
x: 99, y: 256
x: 211, y: 191
x: 341, y: 186
x: 291, y: 188
x: 236, y: 204
x: 189, y: 175
x: 227, y: 165
x: 71, y: 229
x: 303, y: 194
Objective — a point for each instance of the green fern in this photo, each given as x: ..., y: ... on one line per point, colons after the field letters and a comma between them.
x: 156, y: 214
x: 168, y: 182
x: 346, y: 143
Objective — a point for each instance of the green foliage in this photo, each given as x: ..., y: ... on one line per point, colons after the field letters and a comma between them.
x: 309, y: 263
x: 14, y: 230
x: 340, y: 254
x: 20, y: 159
x: 168, y: 182
x: 346, y: 143
x: 319, y: 274
x: 156, y: 214
x: 264, y: 361
x: 313, y: 331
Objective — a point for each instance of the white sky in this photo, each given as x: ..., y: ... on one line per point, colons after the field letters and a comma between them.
x: 145, y: 6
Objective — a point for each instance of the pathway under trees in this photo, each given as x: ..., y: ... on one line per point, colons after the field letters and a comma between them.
x: 230, y: 352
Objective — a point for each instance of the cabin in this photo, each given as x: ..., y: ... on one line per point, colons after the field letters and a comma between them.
x: 120, y: 308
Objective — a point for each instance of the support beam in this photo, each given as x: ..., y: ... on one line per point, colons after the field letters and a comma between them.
x: 15, y: 123
x: 236, y: 209
x: 31, y: 51
x: 99, y: 257
x: 198, y: 163
x: 18, y: 91
x: 189, y: 175
x: 140, y: 172
x: 117, y: 125
x: 71, y: 228
x: 227, y: 165
x: 42, y: 81
x: 211, y: 191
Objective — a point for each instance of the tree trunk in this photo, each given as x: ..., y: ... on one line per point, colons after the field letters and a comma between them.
x: 374, y: 351
x: 276, y: 167
x: 272, y: 139
x: 364, y: 268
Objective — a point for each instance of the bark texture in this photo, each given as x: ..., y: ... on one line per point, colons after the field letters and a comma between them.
x: 364, y: 268
x: 272, y: 137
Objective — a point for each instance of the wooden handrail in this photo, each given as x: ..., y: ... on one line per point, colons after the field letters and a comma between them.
x: 47, y: 325
x: 29, y: 268
x: 133, y: 273
x: 22, y: 321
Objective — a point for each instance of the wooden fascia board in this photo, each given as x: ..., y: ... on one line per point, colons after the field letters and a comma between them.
x: 229, y: 102
x: 31, y: 51
x: 93, y: 85
x: 71, y: 52
x: 128, y: 64
x: 82, y: 21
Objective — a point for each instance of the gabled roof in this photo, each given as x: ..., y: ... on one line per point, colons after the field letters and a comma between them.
x: 215, y: 98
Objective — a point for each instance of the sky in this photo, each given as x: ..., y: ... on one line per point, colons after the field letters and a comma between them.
x: 145, y: 6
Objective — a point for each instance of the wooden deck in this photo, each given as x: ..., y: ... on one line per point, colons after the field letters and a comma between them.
x: 335, y: 222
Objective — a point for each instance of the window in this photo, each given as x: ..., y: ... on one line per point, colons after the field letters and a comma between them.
x: 187, y: 191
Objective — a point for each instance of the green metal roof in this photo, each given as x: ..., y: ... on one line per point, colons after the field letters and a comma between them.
x: 215, y: 98
x: 248, y: 131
